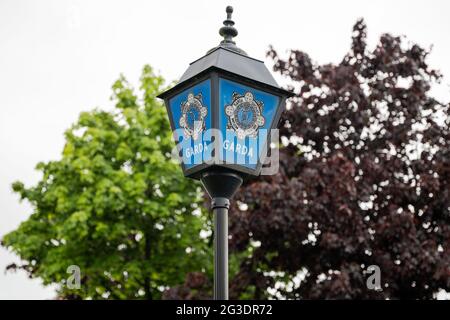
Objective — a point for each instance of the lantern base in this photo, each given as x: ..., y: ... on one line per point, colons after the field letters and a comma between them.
x: 221, y: 183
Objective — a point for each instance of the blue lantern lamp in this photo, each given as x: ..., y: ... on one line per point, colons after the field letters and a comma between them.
x: 221, y: 112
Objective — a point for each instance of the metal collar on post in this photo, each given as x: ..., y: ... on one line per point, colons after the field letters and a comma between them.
x: 220, y: 202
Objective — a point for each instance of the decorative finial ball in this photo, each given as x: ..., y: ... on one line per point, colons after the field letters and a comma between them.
x: 229, y: 9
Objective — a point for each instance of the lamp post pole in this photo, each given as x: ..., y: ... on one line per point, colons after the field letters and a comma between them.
x: 220, y: 208
x: 227, y: 91
x: 221, y: 185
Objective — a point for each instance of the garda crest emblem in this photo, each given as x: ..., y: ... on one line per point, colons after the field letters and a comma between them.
x: 193, y: 115
x: 245, y: 115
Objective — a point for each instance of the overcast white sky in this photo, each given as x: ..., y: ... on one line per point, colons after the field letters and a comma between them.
x: 60, y: 57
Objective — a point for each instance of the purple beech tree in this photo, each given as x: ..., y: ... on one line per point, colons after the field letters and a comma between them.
x: 364, y: 180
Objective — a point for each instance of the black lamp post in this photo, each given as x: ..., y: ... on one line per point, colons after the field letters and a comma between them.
x: 221, y: 112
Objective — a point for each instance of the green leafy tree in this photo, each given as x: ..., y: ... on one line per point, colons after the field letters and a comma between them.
x: 115, y: 205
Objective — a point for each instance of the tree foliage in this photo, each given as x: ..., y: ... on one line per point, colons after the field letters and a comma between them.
x: 364, y: 180
x: 115, y: 205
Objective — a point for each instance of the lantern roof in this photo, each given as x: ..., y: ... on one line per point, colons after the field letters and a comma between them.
x: 227, y: 57
x: 228, y: 60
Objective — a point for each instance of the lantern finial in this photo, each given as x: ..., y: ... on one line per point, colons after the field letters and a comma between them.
x: 228, y: 31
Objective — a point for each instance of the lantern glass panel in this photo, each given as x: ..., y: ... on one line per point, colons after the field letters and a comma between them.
x: 191, y: 116
x: 245, y: 118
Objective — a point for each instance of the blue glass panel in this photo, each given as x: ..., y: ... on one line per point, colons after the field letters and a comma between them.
x: 191, y: 112
x: 245, y: 117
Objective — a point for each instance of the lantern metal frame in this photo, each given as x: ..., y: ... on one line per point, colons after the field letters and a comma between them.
x: 213, y: 73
